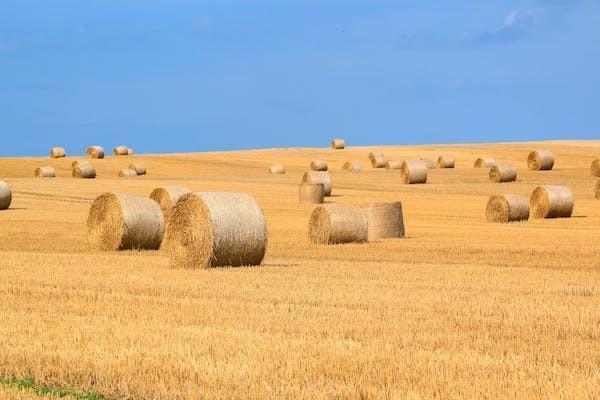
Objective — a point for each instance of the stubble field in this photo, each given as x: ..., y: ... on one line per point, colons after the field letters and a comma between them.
x: 461, y: 308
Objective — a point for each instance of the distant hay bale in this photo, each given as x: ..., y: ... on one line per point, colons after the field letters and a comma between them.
x: 540, y: 160
x: 319, y: 177
x: 429, y: 163
x: 5, y: 195
x: 77, y: 163
x: 507, y: 208
x: 124, y: 222
x: 318, y: 165
x: 216, y: 229
x: 393, y: 164
x: 121, y: 150
x: 95, y: 152
x: 84, y: 170
x: 414, y: 171
x: 595, y: 167
x: 445, y: 161
x: 377, y: 160
x: 166, y: 197
x: 384, y: 220
x: 484, y: 163
x: 311, y: 193
x: 551, y: 201
x: 57, y: 152
x: 138, y: 168
x: 597, y: 190
x: 127, y: 173
x: 338, y: 144
x: 353, y: 166
x: 277, y: 169
x: 45, y: 172
x: 503, y: 173
x: 129, y: 151
x: 338, y: 223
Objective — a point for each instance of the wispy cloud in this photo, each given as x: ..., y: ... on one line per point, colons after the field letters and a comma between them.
x: 517, y: 25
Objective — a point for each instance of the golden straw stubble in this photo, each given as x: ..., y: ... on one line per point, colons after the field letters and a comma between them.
x: 216, y: 229
x: 384, y: 220
x: 311, y: 193
x: 337, y: 223
x: 505, y: 208
x: 551, y: 201
x: 123, y: 222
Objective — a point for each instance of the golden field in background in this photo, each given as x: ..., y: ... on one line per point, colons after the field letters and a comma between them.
x: 461, y: 308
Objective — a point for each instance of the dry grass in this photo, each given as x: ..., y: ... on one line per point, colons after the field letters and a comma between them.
x: 460, y: 308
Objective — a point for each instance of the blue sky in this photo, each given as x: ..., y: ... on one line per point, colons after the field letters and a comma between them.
x: 193, y: 75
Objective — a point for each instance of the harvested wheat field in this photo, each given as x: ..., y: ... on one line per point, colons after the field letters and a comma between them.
x: 459, y: 308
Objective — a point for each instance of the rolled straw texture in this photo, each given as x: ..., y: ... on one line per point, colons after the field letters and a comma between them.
x: 318, y: 165
x: 123, y: 222
x: 138, y: 168
x: 216, y: 229
x: 277, y: 169
x: 121, y: 150
x: 5, y: 195
x: 95, y: 152
x: 429, y: 163
x: 311, y: 193
x: 414, y: 171
x: 338, y: 144
x: 393, y: 164
x: 319, y: 177
x: 166, y: 197
x: 484, y: 163
x: 77, y: 163
x: 507, y: 208
x: 129, y: 151
x: 84, y: 170
x: 57, y: 152
x: 377, y: 160
x: 595, y: 167
x: 540, y: 160
x: 353, y: 166
x: 597, y: 190
x: 45, y: 172
x: 445, y: 161
x: 551, y: 201
x: 337, y: 223
x: 127, y: 173
x: 384, y: 220
x: 500, y: 173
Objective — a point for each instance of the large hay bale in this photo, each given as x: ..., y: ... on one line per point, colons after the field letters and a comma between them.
x: 138, y: 168
x: 445, y: 161
x: 595, y: 167
x: 353, y: 166
x: 507, y: 208
x: 503, y: 173
x: 57, y: 152
x: 84, y: 170
x: 484, y: 163
x: 121, y: 150
x: 337, y: 223
x: 166, y: 197
x: 123, y: 222
x: 311, y: 193
x: 216, y: 229
x: 127, y: 173
x: 45, y: 172
x: 414, y: 171
x: 393, y: 164
x: 5, y: 195
x: 551, y: 201
x: 597, y: 190
x: 384, y: 220
x: 95, y: 152
x: 277, y: 169
x: 540, y: 160
x: 318, y: 165
x: 429, y: 163
x: 377, y: 160
x: 338, y: 144
x: 319, y: 177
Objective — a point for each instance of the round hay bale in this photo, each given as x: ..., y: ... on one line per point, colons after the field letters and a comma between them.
x: 377, y: 160
x: 338, y: 144
x: 507, y: 208
x: 77, y: 163
x: 138, y: 168
x: 484, y: 163
x: 216, y: 229
x: 95, y: 152
x: 129, y: 151
x: 123, y: 222
x: 597, y: 190
x: 414, y: 171
x: 166, y: 197
x: 84, y: 170
x: 540, y: 160
x: 429, y: 163
x: 311, y: 193
x: 595, y: 167
x: 384, y: 220
x: 318, y: 165
x: 551, y: 201
x: 45, y: 172
x: 393, y: 164
x: 337, y: 223
x: 57, y: 152
x: 127, y: 173
x: 445, y: 161
x: 277, y: 169
x: 353, y: 166
x: 121, y: 150
x: 503, y: 173
x: 319, y: 177
x: 5, y: 195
